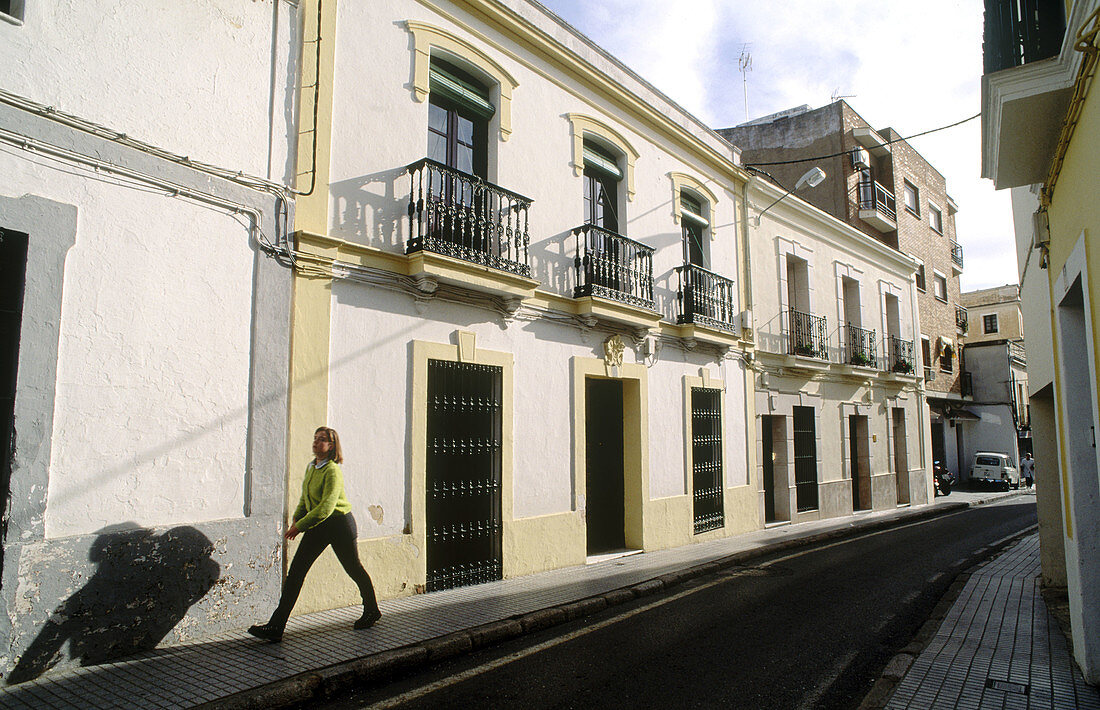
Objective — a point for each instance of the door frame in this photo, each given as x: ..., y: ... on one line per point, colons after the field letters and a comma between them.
x: 635, y: 379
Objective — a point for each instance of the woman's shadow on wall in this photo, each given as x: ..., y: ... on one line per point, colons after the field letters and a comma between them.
x: 143, y: 586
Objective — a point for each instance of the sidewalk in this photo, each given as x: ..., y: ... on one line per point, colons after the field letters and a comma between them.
x: 998, y: 647
x: 321, y: 653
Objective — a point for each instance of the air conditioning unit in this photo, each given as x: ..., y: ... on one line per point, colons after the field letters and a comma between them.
x: 861, y: 159
x: 1041, y: 229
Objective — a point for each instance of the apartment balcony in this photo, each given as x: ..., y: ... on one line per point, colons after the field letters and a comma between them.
x: 808, y: 336
x: 900, y: 356
x: 614, y: 278
x: 706, y: 299
x: 962, y: 320
x: 860, y: 347
x: 1026, y: 87
x: 877, y: 206
x: 956, y: 257
x: 467, y: 231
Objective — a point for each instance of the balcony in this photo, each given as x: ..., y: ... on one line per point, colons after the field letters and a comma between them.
x: 900, y: 355
x: 956, y: 257
x: 860, y: 346
x: 962, y: 320
x: 464, y: 217
x: 1018, y: 32
x: 705, y: 298
x: 1026, y: 87
x: 877, y: 206
x: 611, y: 266
x: 807, y: 336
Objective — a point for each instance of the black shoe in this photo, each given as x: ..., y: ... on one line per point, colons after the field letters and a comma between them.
x: 367, y: 619
x: 267, y: 632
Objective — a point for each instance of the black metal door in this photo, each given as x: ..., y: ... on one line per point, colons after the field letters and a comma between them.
x: 13, y: 272
x: 805, y: 459
x: 463, y: 474
x: 768, y: 460
x: 605, y: 511
x: 706, y: 458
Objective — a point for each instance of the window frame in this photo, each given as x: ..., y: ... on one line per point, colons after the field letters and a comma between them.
x: 15, y: 13
x: 935, y: 214
x: 920, y: 279
x: 597, y: 178
x: 986, y: 330
x: 937, y: 279
x: 694, y: 228
x: 907, y: 189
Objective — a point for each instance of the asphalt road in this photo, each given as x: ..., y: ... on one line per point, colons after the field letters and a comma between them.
x: 812, y: 628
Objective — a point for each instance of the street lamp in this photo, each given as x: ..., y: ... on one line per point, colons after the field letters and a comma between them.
x: 812, y: 178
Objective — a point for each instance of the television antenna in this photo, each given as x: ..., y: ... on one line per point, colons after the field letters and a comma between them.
x: 837, y: 96
x: 744, y: 65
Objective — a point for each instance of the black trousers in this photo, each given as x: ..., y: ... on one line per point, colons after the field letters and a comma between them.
x: 339, y: 531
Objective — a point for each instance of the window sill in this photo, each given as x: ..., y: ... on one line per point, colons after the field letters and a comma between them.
x: 941, y: 299
x: 912, y: 212
x: 18, y: 22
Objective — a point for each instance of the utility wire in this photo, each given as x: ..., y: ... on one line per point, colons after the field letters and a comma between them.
x: 845, y: 152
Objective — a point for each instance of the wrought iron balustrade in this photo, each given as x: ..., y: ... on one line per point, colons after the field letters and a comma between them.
x: 611, y: 266
x: 461, y: 215
x: 1018, y: 32
x: 1017, y: 352
x: 705, y: 298
x: 808, y: 335
x: 901, y: 355
x: 962, y: 319
x: 873, y: 195
x: 957, y: 254
x: 860, y: 346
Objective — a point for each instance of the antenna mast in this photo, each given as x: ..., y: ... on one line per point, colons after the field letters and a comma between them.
x: 744, y: 65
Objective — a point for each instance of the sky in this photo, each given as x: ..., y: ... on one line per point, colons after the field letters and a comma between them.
x: 911, y: 66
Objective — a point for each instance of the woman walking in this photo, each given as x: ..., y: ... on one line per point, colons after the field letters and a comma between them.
x: 324, y: 517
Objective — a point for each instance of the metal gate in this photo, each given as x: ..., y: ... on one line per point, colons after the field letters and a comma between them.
x: 706, y: 458
x: 805, y: 459
x: 463, y: 474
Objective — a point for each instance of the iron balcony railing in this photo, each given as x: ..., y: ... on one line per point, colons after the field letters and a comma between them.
x: 612, y: 266
x: 1018, y: 32
x: 860, y: 346
x: 957, y: 254
x: 873, y: 195
x: 1017, y: 352
x: 808, y: 335
x: 461, y: 215
x: 962, y: 319
x: 705, y: 298
x: 901, y: 356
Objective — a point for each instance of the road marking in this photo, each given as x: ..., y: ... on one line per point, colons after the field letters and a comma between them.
x: 416, y: 693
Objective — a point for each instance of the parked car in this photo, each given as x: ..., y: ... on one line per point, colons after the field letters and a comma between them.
x: 995, y: 469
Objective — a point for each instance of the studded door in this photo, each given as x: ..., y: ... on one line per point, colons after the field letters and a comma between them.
x: 706, y: 451
x: 463, y: 474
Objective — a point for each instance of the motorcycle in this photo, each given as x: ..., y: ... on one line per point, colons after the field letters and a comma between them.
x: 942, y: 479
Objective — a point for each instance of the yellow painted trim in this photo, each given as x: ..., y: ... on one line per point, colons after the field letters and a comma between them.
x: 635, y: 379
x: 582, y: 125
x: 592, y: 81
x: 427, y: 37
x: 682, y: 180
x: 311, y: 211
x: 465, y: 350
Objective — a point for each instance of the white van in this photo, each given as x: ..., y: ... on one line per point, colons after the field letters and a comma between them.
x: 995, y: 469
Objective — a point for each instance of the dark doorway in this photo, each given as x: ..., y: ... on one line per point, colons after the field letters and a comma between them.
x: 901, y: 455
x: 805, y: 458
x: 462, y: 476
x: 706, y: 457
x: 13, y: 274
x: 939, y: 446
x: 859, y: 463
x: 604, y: 487
x: 767, y: 459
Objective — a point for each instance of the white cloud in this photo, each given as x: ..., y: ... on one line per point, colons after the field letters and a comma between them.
x: 910, y: 66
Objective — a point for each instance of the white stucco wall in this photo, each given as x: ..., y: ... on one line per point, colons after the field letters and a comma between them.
x: 152, y: 374
x: 211, y: 80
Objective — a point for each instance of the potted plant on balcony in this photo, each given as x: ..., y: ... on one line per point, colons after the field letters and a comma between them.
x: 862, y: 359
x: 903, y: 367
x: 805, y: 350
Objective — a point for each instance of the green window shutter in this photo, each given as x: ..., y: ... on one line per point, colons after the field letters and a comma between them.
x: 450, y: 86
x: 595, y: 160
x: 691, y: 210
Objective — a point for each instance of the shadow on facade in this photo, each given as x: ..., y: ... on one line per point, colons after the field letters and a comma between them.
x: 143, y: 586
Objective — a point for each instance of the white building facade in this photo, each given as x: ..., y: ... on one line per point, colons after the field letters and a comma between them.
x: 144, y: 380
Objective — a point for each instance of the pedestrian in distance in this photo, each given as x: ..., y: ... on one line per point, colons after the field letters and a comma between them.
x: 323, y: 516
x: 1027, y: 468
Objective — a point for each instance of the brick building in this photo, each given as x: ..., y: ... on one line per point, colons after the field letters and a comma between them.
x: 877, y: 182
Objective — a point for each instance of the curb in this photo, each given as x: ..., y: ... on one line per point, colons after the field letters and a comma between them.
x: 326, y: 683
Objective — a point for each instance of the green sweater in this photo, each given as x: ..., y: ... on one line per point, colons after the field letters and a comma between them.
x: 322, y: 494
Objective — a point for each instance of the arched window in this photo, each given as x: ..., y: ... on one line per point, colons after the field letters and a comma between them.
x: 458, y: 119
x: 601, y: 187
